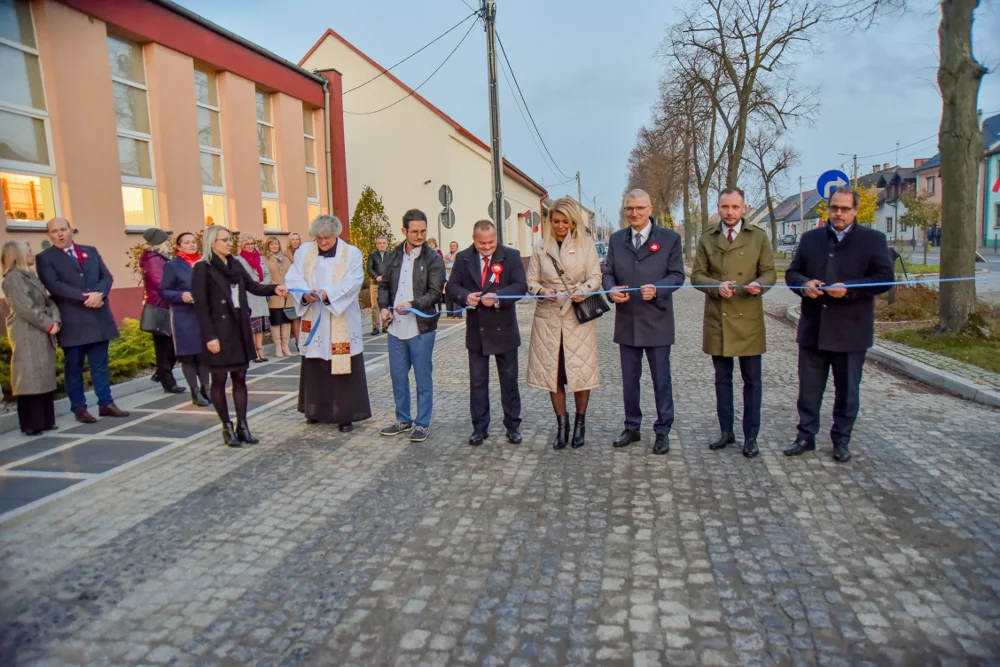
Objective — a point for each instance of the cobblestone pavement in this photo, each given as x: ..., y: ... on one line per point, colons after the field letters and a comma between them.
x: 325, y: 549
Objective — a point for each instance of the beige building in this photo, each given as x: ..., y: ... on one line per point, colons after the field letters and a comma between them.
x: 408, y: 151
x: 137, y: 113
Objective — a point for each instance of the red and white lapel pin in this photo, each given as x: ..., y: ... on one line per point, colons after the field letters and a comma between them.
x: 497, y: 270
x: 654, y: 247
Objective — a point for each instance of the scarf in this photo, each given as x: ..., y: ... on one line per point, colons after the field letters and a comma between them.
x: 340, y: 352
x: 189, y: 257
x: 228, y: 267
x: 253, y: 259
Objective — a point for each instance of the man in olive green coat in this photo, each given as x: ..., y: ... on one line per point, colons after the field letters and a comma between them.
x: 734, y: 267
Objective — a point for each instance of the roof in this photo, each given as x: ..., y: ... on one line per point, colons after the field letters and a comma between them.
x: 230, y: 35
x: 786, y: 207
x: 932, y: 163
x: 991, y: 131
x: 896, y: 174
x: 509, y: 168
x: 809, y: 200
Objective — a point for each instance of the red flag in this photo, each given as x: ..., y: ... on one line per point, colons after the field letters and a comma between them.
x: 996, y: 186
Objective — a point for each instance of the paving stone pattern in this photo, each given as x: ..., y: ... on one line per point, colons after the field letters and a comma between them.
x: 327, y: 549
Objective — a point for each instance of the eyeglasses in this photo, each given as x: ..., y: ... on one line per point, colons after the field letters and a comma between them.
x: 840, y: 209
x: 635, y: 209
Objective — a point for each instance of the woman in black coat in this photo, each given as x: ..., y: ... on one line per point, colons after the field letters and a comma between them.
x: 175, y: 289
x: 219, y: 286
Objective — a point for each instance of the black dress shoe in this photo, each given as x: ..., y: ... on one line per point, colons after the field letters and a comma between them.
x: 801, y: 446
x: 661, y: 445
x: 627, y: 437
x: 579, y: 430
x: 376, y: 332
x: 229, y: 436
x: 477, y: 438
x: 841, y: 453
x: 514, y: 436
x: 727, y: 438
x: 750, y: 448
x: 32, y: 431
x: 176, y: 389
x: 562, y: 432
x: 346, y: 428
x: 244, y: 434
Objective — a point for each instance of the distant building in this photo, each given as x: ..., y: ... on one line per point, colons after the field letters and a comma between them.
x: 989, y: 185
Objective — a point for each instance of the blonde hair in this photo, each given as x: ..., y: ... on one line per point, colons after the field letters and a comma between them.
x: 267, y: 246
x: 208, y: 240
x: 569, y: 208
x: 14, y: 256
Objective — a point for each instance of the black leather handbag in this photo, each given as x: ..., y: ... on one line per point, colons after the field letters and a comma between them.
x: 590, y: 308
x: 155, y: 320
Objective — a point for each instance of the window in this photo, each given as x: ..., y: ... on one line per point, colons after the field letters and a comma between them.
x: 26, y: 169
x: 312, y: 176
x: 888, y: 224
x: 135, y: 143
x: 265, y: 148
x: 213, y: 188
x: 931, y: 185
x: 996, y: 217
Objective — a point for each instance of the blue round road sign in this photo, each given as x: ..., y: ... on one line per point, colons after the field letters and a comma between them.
x: 830, y: 181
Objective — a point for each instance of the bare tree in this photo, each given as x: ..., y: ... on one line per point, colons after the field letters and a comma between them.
x: 751, y: 43
x: 771, y: 161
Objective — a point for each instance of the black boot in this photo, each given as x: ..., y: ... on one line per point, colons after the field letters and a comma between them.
x: 229, y: 436
x: 562, y: 432
x: 198, y: 399
x: 244, y: 434
x: 579, y: 430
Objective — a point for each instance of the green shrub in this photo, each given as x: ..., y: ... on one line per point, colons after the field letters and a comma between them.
x: 128, y: 356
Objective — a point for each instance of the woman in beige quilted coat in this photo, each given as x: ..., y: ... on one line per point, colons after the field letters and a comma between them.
x: 563, y: 352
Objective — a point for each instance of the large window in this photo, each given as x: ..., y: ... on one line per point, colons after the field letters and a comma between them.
x: 26, y: 169
x: 888, y: 224
x: 213, y: 188
x: 312, y: 177
x: 931, y: 185
x: 135, y: 143
x: 265, y: 148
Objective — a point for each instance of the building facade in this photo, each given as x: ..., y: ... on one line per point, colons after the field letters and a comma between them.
x: 406, y: 148
x: 121, y: 116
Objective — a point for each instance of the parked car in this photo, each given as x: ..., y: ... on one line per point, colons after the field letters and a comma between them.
x: 602, y: 250
x: 788, y: 241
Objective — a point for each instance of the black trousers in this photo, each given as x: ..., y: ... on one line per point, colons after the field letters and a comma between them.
x: 659, y: 368
x: 479, y: 391
x: 814, y: 368
x: 163, y: 346
x: 750, y: 369
x: 451, y: 303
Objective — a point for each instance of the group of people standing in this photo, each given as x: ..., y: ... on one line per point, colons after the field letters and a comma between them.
x: 838, y: 269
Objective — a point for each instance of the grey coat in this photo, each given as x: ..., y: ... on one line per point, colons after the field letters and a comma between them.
x: 259, y: 306
x: 32, y: 314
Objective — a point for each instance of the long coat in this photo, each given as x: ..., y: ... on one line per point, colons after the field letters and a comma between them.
x: 183, y: 319
x: 258, y: 306
x: 67, y: 281
x: 846, y: 324
x: 218, y: 319
x: 32, y: 314
x: 659, y: 262
x: 555, y: 324
x: 492, y: 330
x: 276, y: 267
x: 733, y: 327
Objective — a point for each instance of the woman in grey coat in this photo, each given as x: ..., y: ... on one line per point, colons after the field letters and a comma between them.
x: 254, y: 264
x: 33, y: 321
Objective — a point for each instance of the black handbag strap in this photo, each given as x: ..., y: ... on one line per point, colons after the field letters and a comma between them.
x: 559, y: 272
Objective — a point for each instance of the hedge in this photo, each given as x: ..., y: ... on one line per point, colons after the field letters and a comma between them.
x: 128, y: 356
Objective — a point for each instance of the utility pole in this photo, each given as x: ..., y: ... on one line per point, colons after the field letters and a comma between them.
x: 579, y: 189
x: 489, y: 11
x: 802, y: 214
x: 855, y: 182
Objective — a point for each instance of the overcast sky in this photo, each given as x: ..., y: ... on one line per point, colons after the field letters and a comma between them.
x: 588, y: 71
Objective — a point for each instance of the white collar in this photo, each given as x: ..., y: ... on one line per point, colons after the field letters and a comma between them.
x: 644, y: 232
x: 412, y: 254
x: 737, y: 228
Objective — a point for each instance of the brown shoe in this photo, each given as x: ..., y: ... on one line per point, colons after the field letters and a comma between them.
x: 85, y: 417
x: 112, y: 411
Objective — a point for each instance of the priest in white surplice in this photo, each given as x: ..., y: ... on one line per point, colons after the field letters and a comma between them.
x: 325, y: 281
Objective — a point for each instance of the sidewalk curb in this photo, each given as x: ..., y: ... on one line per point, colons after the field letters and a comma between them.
x: 937, y: 378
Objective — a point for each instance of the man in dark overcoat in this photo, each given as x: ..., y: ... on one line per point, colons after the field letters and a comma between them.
x: 645, y: 257
x: 79, y: 282
x: 482, y: 272
x: 837, y: 325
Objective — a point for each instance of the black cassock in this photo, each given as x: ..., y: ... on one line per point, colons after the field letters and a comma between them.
x: 334, y: 399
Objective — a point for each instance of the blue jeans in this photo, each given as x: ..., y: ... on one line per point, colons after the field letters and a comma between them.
x: 97, y: 357
x: 417, y: 353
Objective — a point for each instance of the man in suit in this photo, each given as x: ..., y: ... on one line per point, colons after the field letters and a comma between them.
x: 837, y: 325
x: 647, y: 258
x: 79, y: 282
x: 482, y: 272
x: 730, y: 254
x: 376, y: 268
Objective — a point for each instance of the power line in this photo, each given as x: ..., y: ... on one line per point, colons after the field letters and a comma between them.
x: 368, y: 113
x: 533, y: 123
x: 893, y: 150
x: 412, y: 54
x: 518, y: 105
